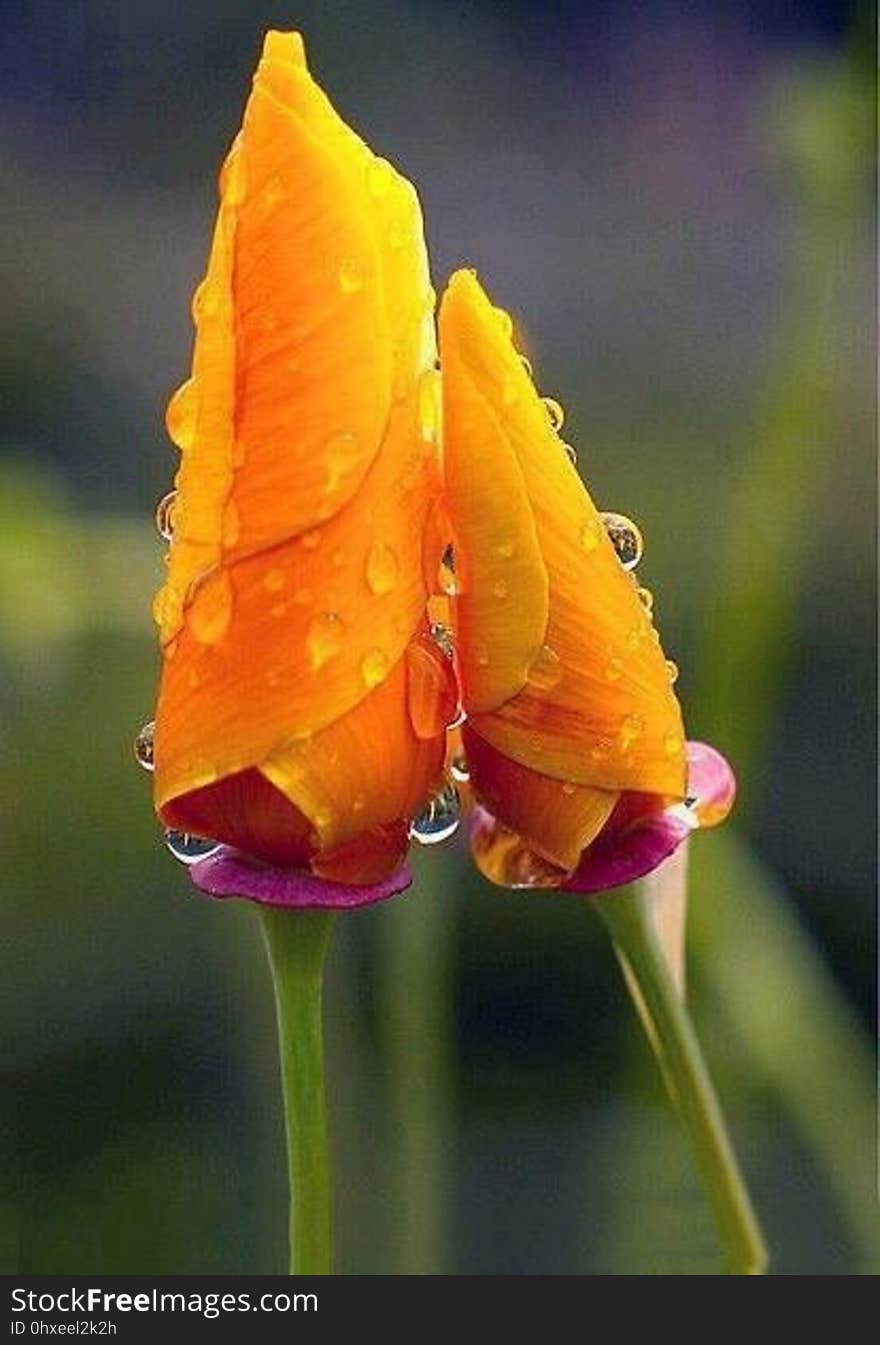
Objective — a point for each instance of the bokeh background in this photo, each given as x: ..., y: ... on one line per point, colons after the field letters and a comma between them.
x: 675, y: 202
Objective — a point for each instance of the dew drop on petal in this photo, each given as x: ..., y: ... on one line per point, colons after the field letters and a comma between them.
x: 446, y: 575
x: 504, y: 857
x: 440, y: 817
x: 189, y: 849
x: 323, y: 639
x: 626, y: 539
x: 340, y: 455
x: 614, y: 670
x: 504, y: 550
x: 646, y: 598
x: 481, y: 655
x: 351, y: 276
x: 274, y: 580
x: 672, y: 671
x: 505, y: 322
x: 459, y: 769
x: 631, y: 729
x: 382, y: 568
x: 311, y: 540
x: 143, y: 746
x: 673, y: 743
x: 374, y: 667
x: 442, y: 637
x: 182, y: 415
x: 571, y: 453
x: 500, y: 589
x: 209, y: 615
x: 527, y: 365
x: 545, y: 669
x: 165, y: 515
x: 555, y: 413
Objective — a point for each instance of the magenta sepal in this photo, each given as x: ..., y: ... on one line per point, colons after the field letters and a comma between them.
x: 227, y: 873
x: 621, y: 857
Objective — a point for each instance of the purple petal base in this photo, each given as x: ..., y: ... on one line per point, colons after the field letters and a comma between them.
x: 226, y: 873
x: 630, y: 855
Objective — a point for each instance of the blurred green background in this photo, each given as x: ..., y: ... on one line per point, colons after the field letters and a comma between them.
x: 675, y: 203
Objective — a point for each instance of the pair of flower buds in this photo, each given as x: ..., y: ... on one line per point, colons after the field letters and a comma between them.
x: 380, y: 566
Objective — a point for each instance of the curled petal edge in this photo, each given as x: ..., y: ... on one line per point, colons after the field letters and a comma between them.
x: 226, y: 873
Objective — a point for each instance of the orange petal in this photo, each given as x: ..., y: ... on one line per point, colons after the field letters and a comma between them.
x: 591, y: 700
x: 309, y: 465
x: 247, y: 812
x: 557, y: 819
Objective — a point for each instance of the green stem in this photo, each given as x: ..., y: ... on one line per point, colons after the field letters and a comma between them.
x: 629, y: 917
x: 297, y: 944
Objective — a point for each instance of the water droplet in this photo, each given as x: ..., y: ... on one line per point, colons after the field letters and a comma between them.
x: 323, y: 639
x: 571, y: 453
x: 634, y: 639
x: 143, y: 746
x: 382, y: 569
x: 167, y: 607
x: 459, y: 719
x: 459, y: 769
x: 442, y: 637
x: 646, y: 598
x: 165, y: 515
x: 590, y: 534
x: 211, y: 609
x: 672, y: 671
x: 614, y: 670
x: 189, y: 849
x: 481, y: 655
x: 374, y: 667
x: 673, y: 743
x: 504, y: 858
x: 351, y: 276
x: 499, y: 588
x: 205, y: 300
x: 631, y: 729
x: 231, y: 524
x: 272, y: 194
x: 440, y: 817
x: 340, y: 455
x: 446, y: 574
x: 358, y: 803
x: 555, y: 413
x: 182, y: 415
x: 505, y: 550
x: 274, y: 580
x: 380, y: 175
x: 625, y: 538
x: 527, y: 365
x: 545, y: 669
x: 311, y: 540
x: 568, y: 789
x: 505, y: 322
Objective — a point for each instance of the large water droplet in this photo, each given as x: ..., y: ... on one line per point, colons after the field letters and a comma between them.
x: 505, y: 858
x: 211, y: 609
x: 382, y: 568
x: 143, y: 746
x: 374, y: 667
x: 351, y: 276
x: 323, y: 639
x: 189, y: 849
x: 459, y: 769
x: 527, y: 365
x: 555, y: 413
x: 165, y: 515
x: 545, y: 669
x: 626, y: 539
x: 440, y: 817
x: 672, y: 671
x: 571, y: 453
x: 631, y: 729
x: 442, y: 637
x: 380, y: 175
x: 182, y: 415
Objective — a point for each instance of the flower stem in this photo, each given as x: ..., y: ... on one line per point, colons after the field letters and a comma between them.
x: 629, y: 917
x: 297, y: 944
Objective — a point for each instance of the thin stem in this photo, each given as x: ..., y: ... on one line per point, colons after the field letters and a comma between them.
x: 297, y: 943
x: 629, y: 918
